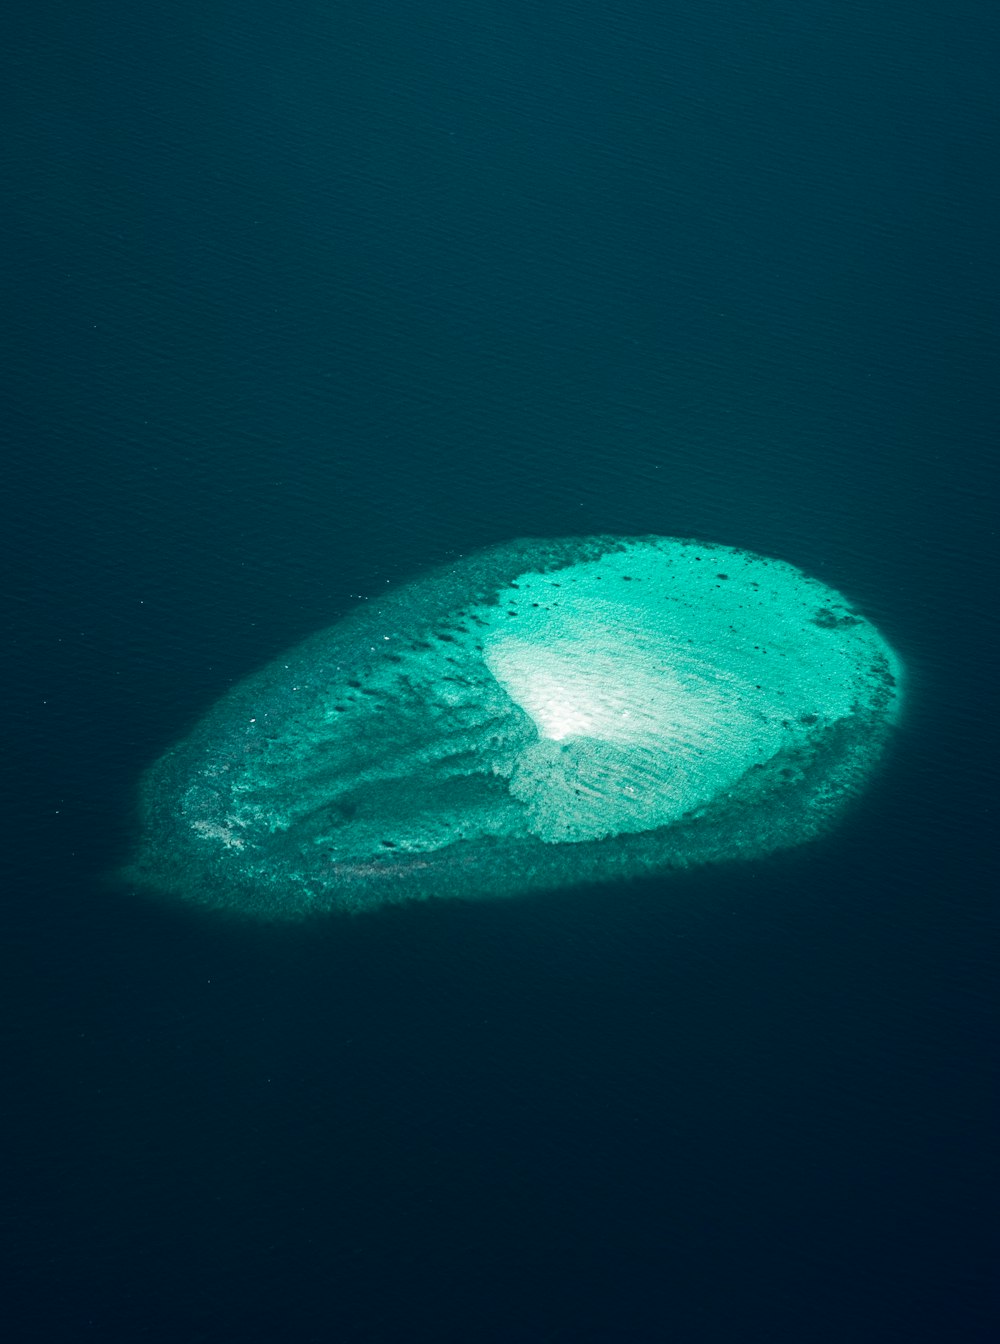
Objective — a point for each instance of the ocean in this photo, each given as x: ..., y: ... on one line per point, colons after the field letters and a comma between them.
x: 302, y: 301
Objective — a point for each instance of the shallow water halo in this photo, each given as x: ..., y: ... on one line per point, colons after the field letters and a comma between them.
x: 540, y: 714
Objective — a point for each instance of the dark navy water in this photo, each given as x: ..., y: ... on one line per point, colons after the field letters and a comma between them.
x: 300, y: 300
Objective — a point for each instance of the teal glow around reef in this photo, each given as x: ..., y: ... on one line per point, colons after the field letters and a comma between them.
x: 538, y: 715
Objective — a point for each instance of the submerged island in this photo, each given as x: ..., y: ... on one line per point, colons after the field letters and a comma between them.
x: 544, y: 713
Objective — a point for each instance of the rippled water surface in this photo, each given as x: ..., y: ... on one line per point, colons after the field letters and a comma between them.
x: 306, y: 301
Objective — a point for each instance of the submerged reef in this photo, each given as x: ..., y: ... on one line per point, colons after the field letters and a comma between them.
x: 540, y: 714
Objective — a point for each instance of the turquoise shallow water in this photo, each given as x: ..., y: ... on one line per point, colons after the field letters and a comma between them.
x: 543, y: 714
x: 305, y: 303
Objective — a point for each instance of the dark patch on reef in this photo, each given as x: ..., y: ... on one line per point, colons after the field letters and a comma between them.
x: 829, y: 620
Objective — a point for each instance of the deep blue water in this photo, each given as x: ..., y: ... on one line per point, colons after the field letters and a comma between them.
x: 302, y: 299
